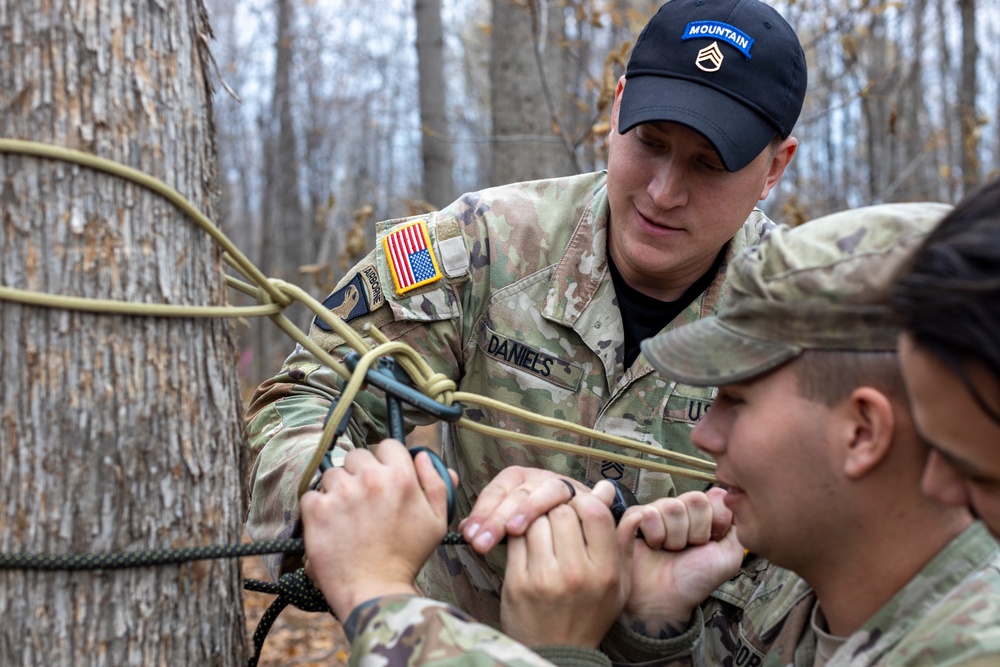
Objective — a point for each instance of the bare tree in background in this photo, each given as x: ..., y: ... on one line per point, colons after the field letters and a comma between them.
x: 286, y: 238
x: 914, y: 174
x: 967, y: 98
x: 881, y: 121
x: 120, y: 433
x: 439, y: 184
x: 526, y: 79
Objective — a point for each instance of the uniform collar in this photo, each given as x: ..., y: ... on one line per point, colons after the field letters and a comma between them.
x: 961, y: 559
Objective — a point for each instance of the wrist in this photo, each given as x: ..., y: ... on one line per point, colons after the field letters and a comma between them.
x: 623, y: 644
x: 573, y: 656
x: 344, y: 601
x: 663, y: 624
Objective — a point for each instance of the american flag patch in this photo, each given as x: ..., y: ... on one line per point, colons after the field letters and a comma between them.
x: 411, y: 260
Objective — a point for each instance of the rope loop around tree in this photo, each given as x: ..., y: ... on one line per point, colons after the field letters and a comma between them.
x: 274, y: 296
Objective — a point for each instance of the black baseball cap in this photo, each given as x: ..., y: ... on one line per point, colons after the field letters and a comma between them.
x: 732, y: 70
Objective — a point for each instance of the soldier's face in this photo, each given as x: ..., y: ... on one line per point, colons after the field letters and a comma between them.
x: 963, y: 468
x: 776, y: 454
x: 673, y: 205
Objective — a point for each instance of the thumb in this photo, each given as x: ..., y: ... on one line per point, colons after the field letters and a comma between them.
x: 605, y: 491
x: 433, y: 486
x: 722, y: 516
x: 626, y: 552
x: 732, y: 549
x: 625, y: 536
x: 629, y: 524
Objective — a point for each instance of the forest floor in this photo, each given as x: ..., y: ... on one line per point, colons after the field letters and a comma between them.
x: 297, y: 638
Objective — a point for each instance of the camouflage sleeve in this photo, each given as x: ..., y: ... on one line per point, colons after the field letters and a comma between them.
x: 626, y: 646
x: 715, y: 632
x: 407, y: 631
x: 991, y: 660
x: 284, y: 423
x: 286, y: 415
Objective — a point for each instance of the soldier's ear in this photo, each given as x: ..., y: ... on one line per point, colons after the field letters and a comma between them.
x: 871, y: 421
x: 781, y: 158
x: 614, y: 107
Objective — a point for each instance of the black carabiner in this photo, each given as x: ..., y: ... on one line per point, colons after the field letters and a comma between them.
x: 398, y: 387
x: 624, y: 499
x: 389, y: 377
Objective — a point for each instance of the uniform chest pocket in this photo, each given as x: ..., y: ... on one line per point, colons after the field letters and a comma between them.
x: 688, y: 404
x: 528, y: 357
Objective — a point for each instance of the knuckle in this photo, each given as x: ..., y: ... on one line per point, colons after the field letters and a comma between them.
x: 595, y: 511
x: 699, y: 502
x: 674, y: 510
x: 562, y: 511
x: 521, y: 491
x: 574, y: 579
x: 608, y: 580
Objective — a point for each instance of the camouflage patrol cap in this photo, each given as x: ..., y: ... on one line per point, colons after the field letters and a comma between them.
x: 822, y: 286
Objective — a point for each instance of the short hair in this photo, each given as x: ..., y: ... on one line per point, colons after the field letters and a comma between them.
x: 772, y: 148
x: 948, y: 296
x: 829, y: 376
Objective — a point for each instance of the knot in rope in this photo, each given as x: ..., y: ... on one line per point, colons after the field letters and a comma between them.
x: 293, y: 588
x: 266, y: 297
x: 298, y: 590
x: 438, y: 386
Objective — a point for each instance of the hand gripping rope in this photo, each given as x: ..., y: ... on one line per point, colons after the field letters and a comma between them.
x: 395, y: 382
x: 393, y: 367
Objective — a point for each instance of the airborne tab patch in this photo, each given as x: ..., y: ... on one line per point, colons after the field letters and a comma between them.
x: 411, y: 259
x: 360, y: 296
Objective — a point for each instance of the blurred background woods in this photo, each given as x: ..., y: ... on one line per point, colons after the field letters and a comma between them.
x: 343, y: 112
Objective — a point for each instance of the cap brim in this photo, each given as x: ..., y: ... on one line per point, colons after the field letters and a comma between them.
x: 738, y: 133
x: 707, y: 353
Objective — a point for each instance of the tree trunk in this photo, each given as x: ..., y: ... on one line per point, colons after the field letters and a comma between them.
x: 874, y: 105
x: 918, y: 179
x: 119, y: 432
x: 293, y: 231
x: 527, y: 83
x: 439, y: 185
x: 967, y: 99
x: 948, y: 113
x: 286, y: 235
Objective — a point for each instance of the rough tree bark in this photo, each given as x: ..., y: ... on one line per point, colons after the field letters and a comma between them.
x: 116, y: 432
x: 875, y: 104
x: 526, y: 74
x: 967, y: 99
x: 439, y: 185
x: 287, y: 240
x: 951, y: 122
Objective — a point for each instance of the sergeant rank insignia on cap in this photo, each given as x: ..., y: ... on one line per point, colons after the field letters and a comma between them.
x: 411, y: 259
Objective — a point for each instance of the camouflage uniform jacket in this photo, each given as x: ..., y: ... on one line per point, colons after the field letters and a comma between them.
x: 525, y: 312
x: 408, y: 631
x: 946, y: 615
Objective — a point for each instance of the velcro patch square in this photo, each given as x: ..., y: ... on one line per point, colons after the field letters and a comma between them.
x: 411, y: 259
